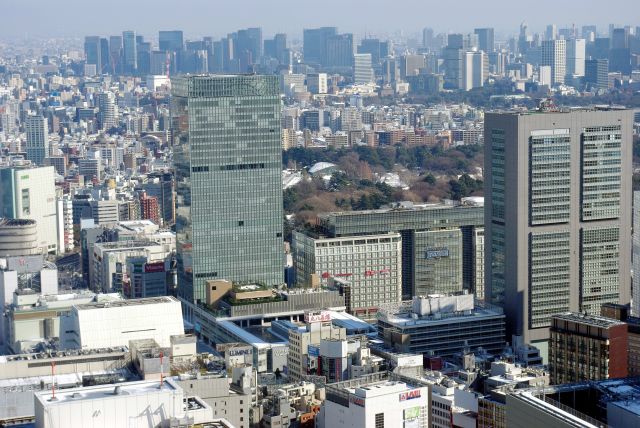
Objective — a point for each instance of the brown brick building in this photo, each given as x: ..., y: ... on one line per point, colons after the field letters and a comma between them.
x: 587, y: 347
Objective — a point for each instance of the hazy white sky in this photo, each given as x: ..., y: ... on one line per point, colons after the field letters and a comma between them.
x: 54, y: 18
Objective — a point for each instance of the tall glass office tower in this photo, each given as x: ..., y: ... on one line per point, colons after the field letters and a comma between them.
x: 228, y: 160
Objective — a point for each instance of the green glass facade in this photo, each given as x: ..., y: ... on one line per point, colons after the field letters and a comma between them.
x: 227, y: 155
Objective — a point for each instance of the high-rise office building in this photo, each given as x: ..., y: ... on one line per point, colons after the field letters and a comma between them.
x: 107, y: 110
x: 557, y: 214
x: 228, y: 167
x: 362, y: 70
x: 377, y: 49
x: 161, y: 186
x: 171, y: 40
x: 554, y: 54
x: 115, y: 54
x: 93, y: 52
x: 427, y: 38
x: 589, y: 32
x: 143, y: 58
x: 129, y: 52
x: 453, y: 66
x: 315, y: 43
x: 37, y: 131
x: 596, y: 74
x: 551, y: 33
x: 339, y: 51
x: 441, y: 244
x: 277, y: 48
x: 486, y: 41
x: 248, y: 46
x: 475, y: 69
x: 576, y: 57
x: 30, y: 193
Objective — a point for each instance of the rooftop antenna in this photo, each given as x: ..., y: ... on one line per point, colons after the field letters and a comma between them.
x: 53, y: 381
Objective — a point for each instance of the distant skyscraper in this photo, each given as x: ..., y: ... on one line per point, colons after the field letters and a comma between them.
x: 339, y: 52
x: 552, y: 32
x: 575, y: 57
x: 129, y: 52
x: 427, y: 38
x: 362, y: 70
x: 171, y: 40
x: 248, y: 44
x: 276, y: 48
x: 377, y: 49
x: 475, y: 69
x: 596, y: 74
x: 229, y: 218
x: 115, y: 54
x: 107, y: 110
x: 143, y: 59
x: 557, y: 214
x: 37, y: 131
x: 589, y: 33
x: 453, y: 66
x: 315, y: 43
x: 485, y: 39
x: 554, y: 54
x: 92, y: 51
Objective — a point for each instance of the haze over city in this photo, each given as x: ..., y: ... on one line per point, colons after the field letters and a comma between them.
x: 334, y: 214
x: 74, y: 18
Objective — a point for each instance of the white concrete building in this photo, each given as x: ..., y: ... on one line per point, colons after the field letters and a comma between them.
x: 29, y: 193
x: 109, y: 261
x: 64, y: 210
x: 367, y: 268
x: 373, y: 405
x: 576, y: 57
x: 133, y: 404
x: 554, y: 54
x: 362, y: 69
x: 104, y: 325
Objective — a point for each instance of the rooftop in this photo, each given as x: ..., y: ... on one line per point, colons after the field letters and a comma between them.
x: 130, y: 302
x: 594, y: 320
x: 402, y: 206
x: 99, y: 392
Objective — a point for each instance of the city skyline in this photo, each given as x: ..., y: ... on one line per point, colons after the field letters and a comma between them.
x: 220, y: 18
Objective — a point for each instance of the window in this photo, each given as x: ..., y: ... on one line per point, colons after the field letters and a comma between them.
x: 26, y: 202
x: 379, y: 420
x: 241, y: 223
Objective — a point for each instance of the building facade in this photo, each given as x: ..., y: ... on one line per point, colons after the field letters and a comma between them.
x: 557, y: 209
x: 29, y: 193
x: 587, y: 347
x: 418, y: 327
x: 37, y: 131
x: 228, y: 180
x: 369, y: 267
x: 438, y: 250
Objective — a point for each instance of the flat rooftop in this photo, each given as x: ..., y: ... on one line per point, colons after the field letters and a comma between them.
x: 405, y: 319
x: 125, y: 303
x: 594, y: 320
x: 99, y: 392
x: 407, y: 207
